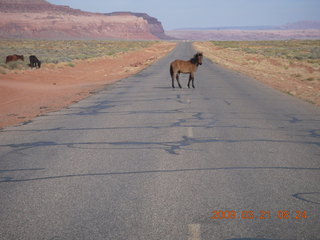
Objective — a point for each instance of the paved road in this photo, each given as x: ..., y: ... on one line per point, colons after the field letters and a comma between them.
x: 140, y: 160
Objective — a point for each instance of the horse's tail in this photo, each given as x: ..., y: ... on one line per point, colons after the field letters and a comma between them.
x: 171, y: 70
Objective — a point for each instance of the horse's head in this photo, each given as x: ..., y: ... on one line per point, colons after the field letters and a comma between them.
x: 199, y: 57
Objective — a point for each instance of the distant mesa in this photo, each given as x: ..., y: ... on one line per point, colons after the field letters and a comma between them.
x: 39, y: 19
x: 24, y: 1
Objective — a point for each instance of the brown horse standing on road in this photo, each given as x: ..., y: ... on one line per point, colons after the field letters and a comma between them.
x: 14, y: 57
x: 181, y: 66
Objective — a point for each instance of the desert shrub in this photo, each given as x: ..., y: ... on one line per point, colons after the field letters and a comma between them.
x: 315, y: 53
x: 249, y: 50
x: 17, y: 65
x: 302, y: 50
x: 2, y: 70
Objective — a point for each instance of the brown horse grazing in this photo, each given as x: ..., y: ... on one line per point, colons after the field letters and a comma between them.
x: 14, y: 57
x: 181, y: 66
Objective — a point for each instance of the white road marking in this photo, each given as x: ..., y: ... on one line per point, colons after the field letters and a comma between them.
x: 190, y: 132
x: 194, y: 232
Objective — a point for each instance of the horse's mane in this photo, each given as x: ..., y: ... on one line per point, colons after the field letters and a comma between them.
x: 194, y: 59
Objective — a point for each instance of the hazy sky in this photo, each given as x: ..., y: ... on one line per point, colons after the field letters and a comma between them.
x: 208, y: 13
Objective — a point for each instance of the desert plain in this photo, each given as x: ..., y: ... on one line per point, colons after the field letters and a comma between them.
x: 26, y: 93
x: 73, y: 70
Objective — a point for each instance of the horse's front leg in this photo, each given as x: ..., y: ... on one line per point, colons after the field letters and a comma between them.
x: 193, y: 81
x: 191, y: 78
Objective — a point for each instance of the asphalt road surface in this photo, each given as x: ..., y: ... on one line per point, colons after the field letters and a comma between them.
x: 231, y: 159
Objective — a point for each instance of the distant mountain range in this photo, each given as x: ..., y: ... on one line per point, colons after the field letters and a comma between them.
x: 289, y: 26
x: 296, y: 30
x: 39, y: 19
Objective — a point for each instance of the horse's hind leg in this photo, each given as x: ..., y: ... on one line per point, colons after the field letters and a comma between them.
x: 172, y: 77
x: 177, y: 77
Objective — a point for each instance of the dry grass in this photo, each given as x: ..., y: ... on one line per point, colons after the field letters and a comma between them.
x: 292, y: 67
x: 62, y: 53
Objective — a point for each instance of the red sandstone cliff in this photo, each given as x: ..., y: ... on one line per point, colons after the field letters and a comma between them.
x: 38, y: 19
x: 154, y: 26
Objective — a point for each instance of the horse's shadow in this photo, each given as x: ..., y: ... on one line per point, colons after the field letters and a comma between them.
x: 250, y: 239
x: 163, y: 87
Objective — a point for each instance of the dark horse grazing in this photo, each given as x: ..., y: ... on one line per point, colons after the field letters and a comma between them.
x: 181, y: 66
x: 34, y: 62
x: 14, y: 57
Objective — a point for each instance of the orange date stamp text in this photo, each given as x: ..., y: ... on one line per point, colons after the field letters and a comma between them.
x: 261, y: 214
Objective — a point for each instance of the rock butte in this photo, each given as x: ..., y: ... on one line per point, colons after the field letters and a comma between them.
x: 39, y: 19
